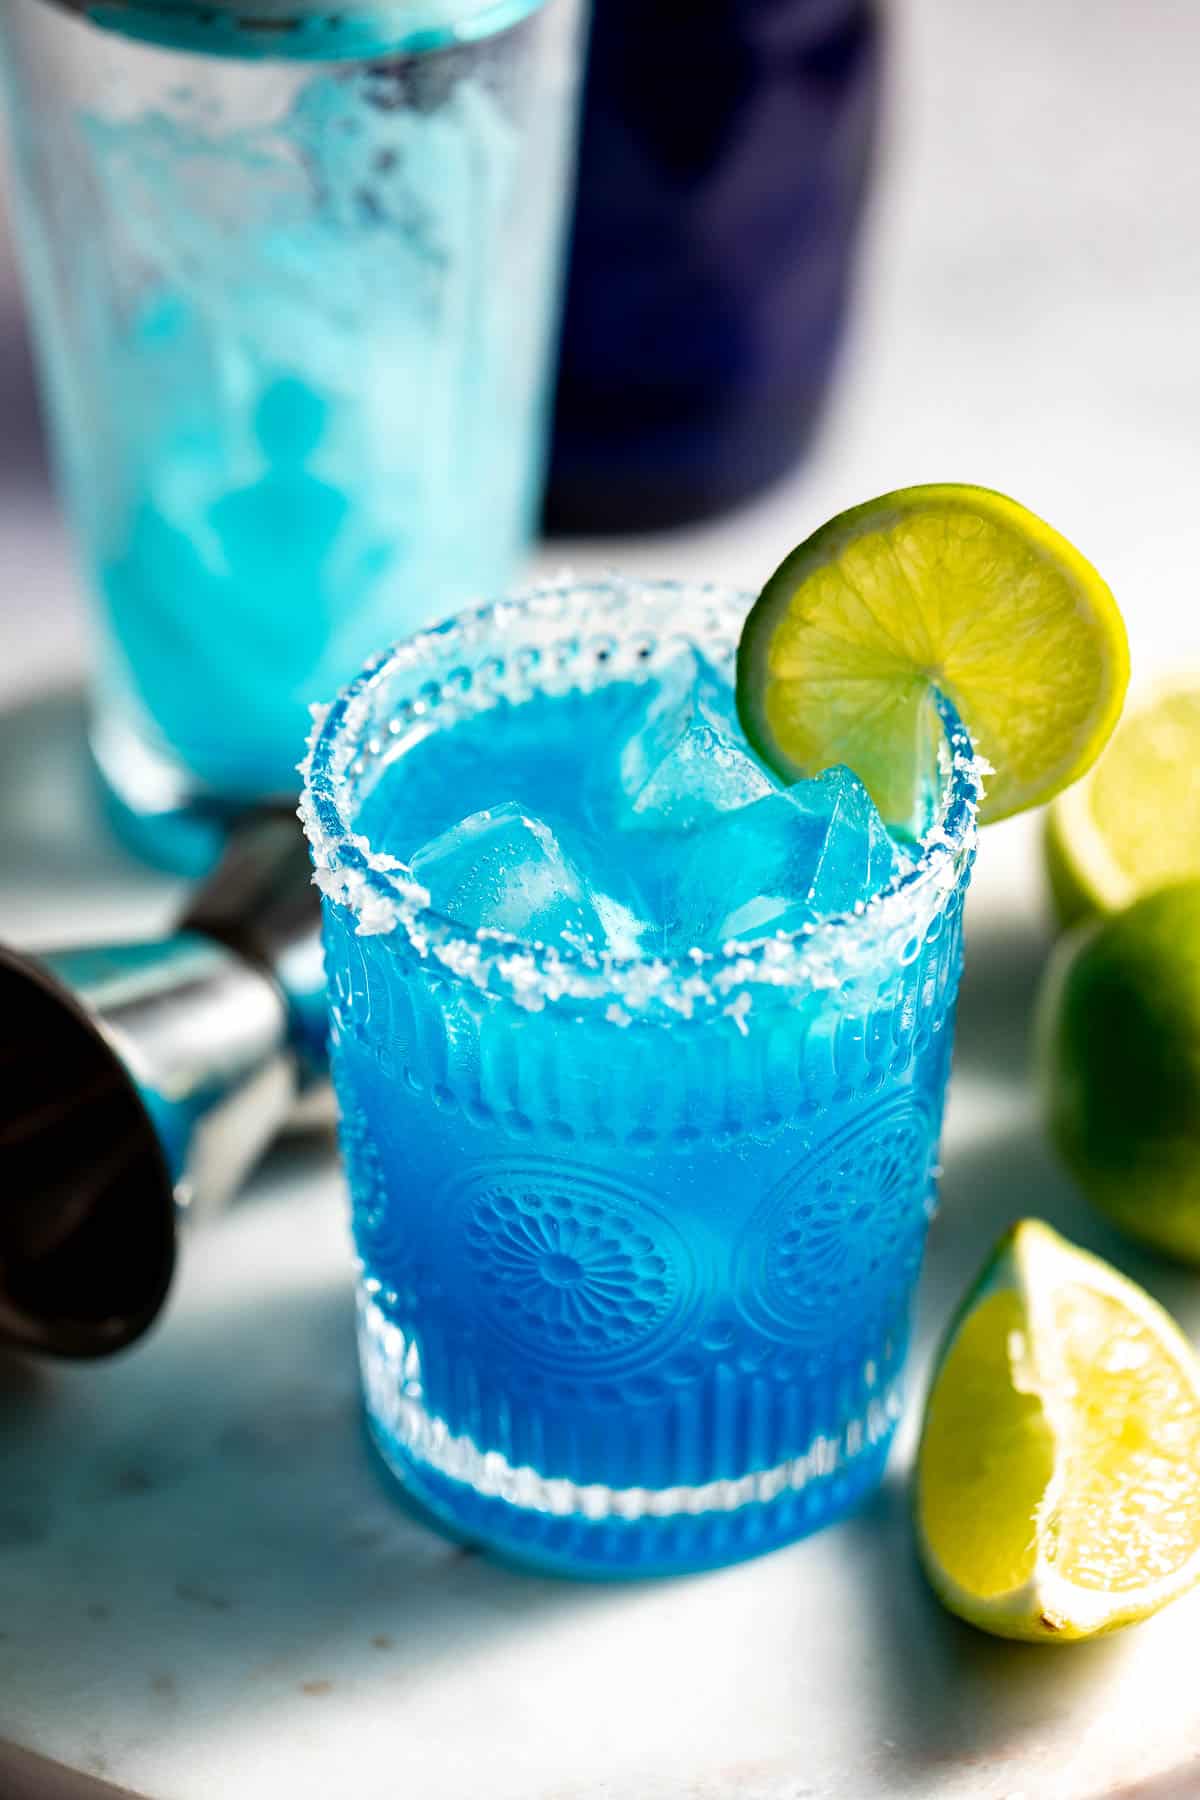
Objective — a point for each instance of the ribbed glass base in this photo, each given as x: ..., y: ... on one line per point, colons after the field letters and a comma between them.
x: 592, y: 1530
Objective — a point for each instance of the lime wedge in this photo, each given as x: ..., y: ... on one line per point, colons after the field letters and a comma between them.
x: 1058, y: 1476
x: 1133, y: 825
x: 947, y: 587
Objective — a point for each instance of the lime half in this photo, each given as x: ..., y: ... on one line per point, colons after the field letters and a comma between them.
x: 1133, y: 825
x: 1058, y: 1476
x: 948, y: 587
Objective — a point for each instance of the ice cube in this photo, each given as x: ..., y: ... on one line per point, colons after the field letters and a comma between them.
x: 505, y: 871
x: 688, y: 761
x: 775, y: 865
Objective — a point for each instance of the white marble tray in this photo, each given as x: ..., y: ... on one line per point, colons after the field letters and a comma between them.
x: 207, y: 1588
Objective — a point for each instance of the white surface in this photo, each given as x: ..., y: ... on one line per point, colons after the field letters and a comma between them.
x: 205, y: 1590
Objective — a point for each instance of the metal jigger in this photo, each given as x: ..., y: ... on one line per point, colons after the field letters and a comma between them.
x: 140, y: 1083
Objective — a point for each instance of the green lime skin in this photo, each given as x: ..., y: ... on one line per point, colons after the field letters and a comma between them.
x: 1070, y: 902
x: 1119, y: 1065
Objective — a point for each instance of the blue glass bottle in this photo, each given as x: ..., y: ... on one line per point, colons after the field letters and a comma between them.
x: 723, y: 169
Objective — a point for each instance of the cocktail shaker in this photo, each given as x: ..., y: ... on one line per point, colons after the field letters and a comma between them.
x: 293, y: 271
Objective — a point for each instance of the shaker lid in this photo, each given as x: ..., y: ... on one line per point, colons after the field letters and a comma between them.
x: 310, y: 30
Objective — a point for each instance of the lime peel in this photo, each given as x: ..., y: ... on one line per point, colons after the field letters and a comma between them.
x: 1117, y: 1034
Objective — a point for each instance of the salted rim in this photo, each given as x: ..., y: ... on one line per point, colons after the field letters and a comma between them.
x: 551, y: 635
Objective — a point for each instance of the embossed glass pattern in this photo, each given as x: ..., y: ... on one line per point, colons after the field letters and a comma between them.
x: 638, y: 1237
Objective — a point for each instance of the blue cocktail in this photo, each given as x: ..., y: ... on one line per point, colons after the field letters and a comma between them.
x: 641, y: 1062
x: 294, y: 274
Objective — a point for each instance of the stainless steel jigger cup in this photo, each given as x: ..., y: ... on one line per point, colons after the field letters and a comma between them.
x: 141, y: 1082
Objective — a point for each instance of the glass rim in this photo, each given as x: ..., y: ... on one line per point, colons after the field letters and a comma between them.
x: 300, y: 30
x: 382, y: 895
